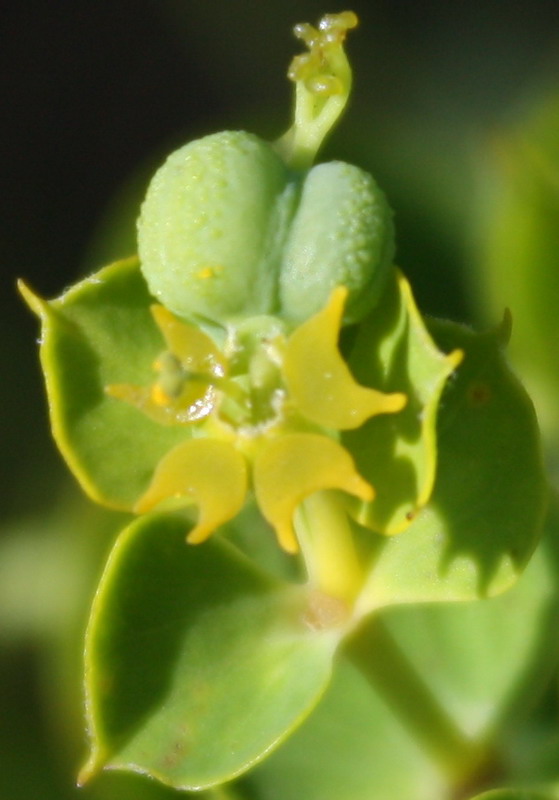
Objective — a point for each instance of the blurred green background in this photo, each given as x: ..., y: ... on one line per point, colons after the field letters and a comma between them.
x: 93, y: 95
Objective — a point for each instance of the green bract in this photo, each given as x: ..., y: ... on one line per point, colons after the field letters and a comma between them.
x: 180, y: 640
x: 519, y: 233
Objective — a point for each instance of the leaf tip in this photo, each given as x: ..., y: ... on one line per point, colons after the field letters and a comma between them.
x: 454, y: 359
x: 88, y: 771
x: 37, y: 305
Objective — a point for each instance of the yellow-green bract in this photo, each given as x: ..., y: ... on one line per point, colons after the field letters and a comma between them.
x: 228, y: 230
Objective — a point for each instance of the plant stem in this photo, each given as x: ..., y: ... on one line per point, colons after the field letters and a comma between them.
x: 326, y: 539
x: 378, y: 657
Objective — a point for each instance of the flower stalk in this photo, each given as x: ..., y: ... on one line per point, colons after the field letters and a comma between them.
x: 325, y: 534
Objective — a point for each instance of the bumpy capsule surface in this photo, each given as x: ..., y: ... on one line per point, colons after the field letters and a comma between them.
x: 226, y: 230
x: 341, y: 235
x: 212, y: 226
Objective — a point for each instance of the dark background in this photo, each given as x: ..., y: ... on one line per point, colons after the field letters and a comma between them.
x: 93, y: 94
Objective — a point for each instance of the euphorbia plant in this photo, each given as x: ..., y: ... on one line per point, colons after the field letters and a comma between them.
x: 301, y: 449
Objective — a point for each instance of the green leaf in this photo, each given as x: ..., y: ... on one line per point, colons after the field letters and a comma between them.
x: 396, y: 453
x: 98, y: 333
x: 519, y: 234
x: 484, y: 518
x: 197, y: 663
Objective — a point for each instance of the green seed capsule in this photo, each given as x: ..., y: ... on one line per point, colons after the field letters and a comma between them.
x: 226, y: 230
x: 341, y: 235
x: 212, y: 225
x: 234, y: 227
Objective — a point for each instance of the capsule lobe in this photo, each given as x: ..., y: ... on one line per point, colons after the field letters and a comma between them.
x: 212, y: 224
x: 341, y: 235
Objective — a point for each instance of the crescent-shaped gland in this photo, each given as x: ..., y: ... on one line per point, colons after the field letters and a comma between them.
x: 318, y: 379
x: 207, y: 472
x: 288, y: 468
x: 194, y: 349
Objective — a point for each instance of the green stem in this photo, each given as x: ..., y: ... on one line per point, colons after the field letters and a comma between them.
x: 386, y: 667
x: 326, y: 538
x: 301, y: 144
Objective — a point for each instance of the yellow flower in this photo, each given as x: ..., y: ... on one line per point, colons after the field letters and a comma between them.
x: 262, y: 414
